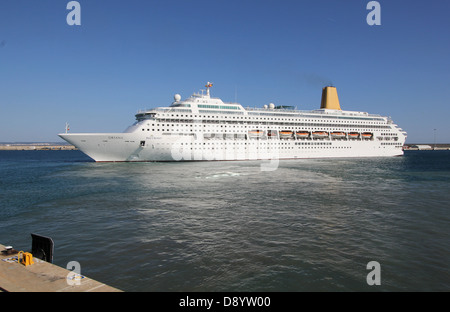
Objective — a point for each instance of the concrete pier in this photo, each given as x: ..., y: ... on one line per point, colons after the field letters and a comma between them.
x: 36, y: 147
x: 43, y: 276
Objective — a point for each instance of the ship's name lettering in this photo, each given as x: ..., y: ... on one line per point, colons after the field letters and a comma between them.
x: 115, y: 138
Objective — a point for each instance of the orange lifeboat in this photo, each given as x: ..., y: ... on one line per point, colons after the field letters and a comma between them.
x: 353, y: 135
x: 367, y: 135
x: 255, y: 133
x: 338, y: 135
x: 320, y: 134
x: 302, y: 134
x: 285, y: 134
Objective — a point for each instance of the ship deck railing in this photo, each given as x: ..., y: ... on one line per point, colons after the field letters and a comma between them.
x: 286, y: 112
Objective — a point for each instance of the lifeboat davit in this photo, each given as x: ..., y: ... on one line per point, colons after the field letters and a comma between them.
x: 272, y: 133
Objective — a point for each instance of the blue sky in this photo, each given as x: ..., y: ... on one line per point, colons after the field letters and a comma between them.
x: 131, y: 55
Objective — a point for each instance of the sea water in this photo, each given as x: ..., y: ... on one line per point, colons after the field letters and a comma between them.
x: 308, y: 225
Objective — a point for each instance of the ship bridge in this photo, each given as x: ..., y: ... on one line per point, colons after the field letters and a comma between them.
x: 199, y: 102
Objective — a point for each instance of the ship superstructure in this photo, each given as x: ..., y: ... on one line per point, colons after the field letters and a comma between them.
x: 202, y: 127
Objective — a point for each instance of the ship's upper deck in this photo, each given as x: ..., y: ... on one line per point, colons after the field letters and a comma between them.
x: 203, y: 103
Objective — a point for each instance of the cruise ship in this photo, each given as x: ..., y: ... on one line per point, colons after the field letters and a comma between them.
x: 204, y: 128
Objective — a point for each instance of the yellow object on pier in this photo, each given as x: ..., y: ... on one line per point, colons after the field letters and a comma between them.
x: 25, y: 258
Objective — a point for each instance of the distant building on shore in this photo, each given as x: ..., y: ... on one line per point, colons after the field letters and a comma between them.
x: 422, y: 147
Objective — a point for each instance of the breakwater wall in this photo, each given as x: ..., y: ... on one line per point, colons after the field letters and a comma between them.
x: 36, y: 147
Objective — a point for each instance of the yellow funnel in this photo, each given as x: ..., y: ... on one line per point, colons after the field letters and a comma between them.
x: 330, y: 98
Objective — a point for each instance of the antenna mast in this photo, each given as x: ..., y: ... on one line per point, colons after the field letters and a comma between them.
x: 208, y: 85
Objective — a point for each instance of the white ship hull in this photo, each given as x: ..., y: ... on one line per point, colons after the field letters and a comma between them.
x: 202, y: 128
x: 120, y: 147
